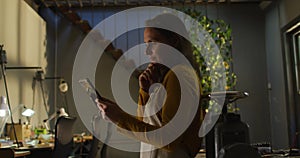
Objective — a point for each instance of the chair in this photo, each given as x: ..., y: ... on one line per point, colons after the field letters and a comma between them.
x: 93, y: 153
x: 96, y: 147
x: 7, y: 153
x: 239, y: 150
x: 63, y: 146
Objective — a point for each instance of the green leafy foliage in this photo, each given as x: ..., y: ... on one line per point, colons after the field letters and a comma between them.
x: 220, y: 32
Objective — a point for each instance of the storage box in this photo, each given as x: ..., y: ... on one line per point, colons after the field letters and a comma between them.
x: 23, y: 131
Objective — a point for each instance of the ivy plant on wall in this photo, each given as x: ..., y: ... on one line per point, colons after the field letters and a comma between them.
x: 221, y: 34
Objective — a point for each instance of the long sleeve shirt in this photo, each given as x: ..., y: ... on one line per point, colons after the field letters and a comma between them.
x: 163, y: 104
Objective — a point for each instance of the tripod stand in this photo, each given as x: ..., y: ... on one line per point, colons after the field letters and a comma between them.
x: 229, y: 129
x: 40, y: 77
x: 3, y: 62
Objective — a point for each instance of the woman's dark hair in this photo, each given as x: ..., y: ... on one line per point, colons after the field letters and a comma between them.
x: 170, y: 26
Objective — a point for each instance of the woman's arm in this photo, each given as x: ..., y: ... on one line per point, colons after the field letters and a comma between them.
x: 135, y: 128
x: 131, y: 126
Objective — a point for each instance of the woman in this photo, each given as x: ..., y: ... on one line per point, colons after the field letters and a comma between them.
x: 158, y: 104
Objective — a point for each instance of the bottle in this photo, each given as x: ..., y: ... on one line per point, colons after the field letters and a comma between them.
x: 4, y: 113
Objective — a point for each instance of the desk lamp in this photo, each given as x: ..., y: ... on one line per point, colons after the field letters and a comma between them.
x: 63, y: 88
x: 23, y: 130
x: 27, y: 112
x: 3, y: 62
x: 59, y: 113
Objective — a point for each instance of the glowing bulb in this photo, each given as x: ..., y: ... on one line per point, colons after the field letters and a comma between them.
x: 63, y: 87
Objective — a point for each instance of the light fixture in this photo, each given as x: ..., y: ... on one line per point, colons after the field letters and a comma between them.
x: 61, y: 112
x: 4, y: 113
x: 63, y: 86
x: 4, y: 109
x: 27, y: 112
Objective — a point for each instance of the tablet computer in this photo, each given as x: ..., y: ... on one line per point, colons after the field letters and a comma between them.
x: 90, y: 89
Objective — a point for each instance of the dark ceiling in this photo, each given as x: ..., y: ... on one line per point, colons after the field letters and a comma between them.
x: 68, y: 8
x: 114, y: 3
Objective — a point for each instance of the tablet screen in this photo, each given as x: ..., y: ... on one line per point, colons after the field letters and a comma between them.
x: 90, y: 89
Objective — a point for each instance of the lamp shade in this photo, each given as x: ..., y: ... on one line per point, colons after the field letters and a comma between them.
x: 24, y: 110
x: 62, y: 112
x: 4, y: 113
x: 4, y: 110
x: 27, y: 112
x: 63, y: 86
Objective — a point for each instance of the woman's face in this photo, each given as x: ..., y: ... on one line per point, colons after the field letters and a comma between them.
x: 156, y: 45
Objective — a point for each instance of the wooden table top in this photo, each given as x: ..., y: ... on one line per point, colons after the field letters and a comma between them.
x: 21, y: 153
